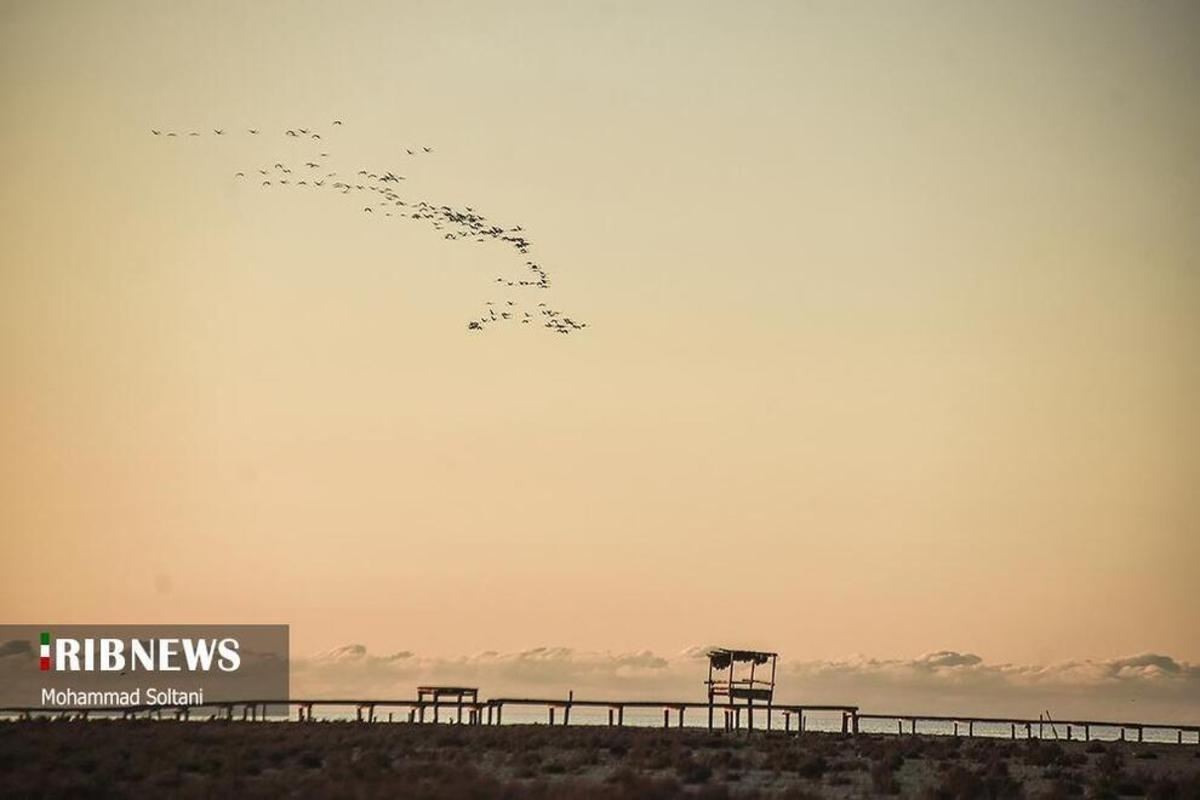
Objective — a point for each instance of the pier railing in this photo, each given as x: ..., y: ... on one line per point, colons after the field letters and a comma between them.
x: 558, y: 713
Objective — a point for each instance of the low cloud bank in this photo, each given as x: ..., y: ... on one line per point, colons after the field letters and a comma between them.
x: 1149, y: 687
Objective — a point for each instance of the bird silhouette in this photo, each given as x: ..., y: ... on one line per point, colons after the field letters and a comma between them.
x: 452, y: 221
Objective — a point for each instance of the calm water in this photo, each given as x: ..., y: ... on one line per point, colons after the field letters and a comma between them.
x: 816, y: 721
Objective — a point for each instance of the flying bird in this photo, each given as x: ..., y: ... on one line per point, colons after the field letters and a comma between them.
x: 454, y: 222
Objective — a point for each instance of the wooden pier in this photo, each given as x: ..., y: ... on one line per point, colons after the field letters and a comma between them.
x: 466, y: 709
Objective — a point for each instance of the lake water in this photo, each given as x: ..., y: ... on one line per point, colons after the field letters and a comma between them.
x: 830, y: 722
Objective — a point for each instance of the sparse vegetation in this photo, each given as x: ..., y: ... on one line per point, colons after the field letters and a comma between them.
x: 341, y: 759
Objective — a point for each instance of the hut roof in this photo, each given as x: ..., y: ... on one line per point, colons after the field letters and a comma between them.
x: 722, y: 658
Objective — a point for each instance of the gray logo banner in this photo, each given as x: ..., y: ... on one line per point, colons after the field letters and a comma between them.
x: 50, y: 666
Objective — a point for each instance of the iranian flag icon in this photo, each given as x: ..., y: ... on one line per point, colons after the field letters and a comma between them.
x: 45, y: 651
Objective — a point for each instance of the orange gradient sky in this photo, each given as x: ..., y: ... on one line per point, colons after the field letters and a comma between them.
x: 894, y: 336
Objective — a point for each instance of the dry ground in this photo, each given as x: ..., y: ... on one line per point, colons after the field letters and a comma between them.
x: 234, y: 760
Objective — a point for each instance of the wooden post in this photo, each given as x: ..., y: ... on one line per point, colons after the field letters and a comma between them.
x: 710, y: 694
x: 900, y: 727
x: 800, y: 729
x: 845, y: 722
x: 499, y: 713
x: 436, y: 700
x: 787, y: 722
x: 666, y: 717
x: 610, y: 716
x: 1014, y: 730
x: 551, y: 716
x: 750, y: 699
x: 1139, y: 730
x: 956, y: 730
x: 567, y: 710
x: 681, y: 721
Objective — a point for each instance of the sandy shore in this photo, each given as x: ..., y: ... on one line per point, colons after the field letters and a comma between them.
x: 233, y: 760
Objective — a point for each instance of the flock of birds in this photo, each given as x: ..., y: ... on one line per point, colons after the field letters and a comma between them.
x: 519, y: 303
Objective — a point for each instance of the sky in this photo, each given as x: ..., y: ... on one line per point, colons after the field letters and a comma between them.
x: 893, y: 341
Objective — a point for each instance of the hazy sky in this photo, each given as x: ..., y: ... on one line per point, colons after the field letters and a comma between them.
x: 894, y: 336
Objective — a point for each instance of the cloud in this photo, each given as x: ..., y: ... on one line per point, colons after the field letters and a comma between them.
x: 948, y: 658
x: 1147, y: 686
